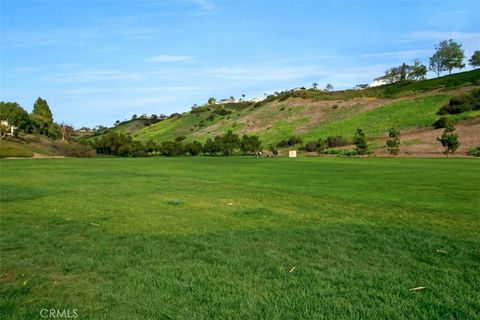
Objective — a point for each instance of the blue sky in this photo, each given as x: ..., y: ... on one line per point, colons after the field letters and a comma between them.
x: 99, y: 61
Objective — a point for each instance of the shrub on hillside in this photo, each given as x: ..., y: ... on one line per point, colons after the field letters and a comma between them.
x: 341, y: 152
x: 336, y: 141
x: 293, y: 140
x: 360, y: 141
x: 150, y: 146
x: 193, y: 148
x: 315, y: 146
x: 198, y: 110
x: 118, y: 144
x: 282, y: 144
x: 250, y: 144
x: 211, y: 147
x: 443, y: 122
x: 474, y: 152
x: 171, y: 148
x: 222, y: 112
x: 462, y: 103
x: 273, y: 149
x: 72, y: 149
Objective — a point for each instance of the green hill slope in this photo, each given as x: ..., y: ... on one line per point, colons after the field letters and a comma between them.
x: 312, y: 114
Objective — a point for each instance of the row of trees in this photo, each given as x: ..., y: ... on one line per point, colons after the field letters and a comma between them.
x: 39, y: 121
x: 449, y: 140
x: 119, y: 144
x: 448, y: 55
x: 417, y: 71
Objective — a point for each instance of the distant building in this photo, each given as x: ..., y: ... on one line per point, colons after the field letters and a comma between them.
x: 379, y: 82
x: 11, y: 128
x: 228, y: 100
x: 257, y: 99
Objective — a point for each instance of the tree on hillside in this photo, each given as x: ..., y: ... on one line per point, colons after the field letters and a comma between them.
x: 391, y: 75
x: 228, y: 142
x: 250, y: 144
x: 449, y: 140
x: 474, y: 61
x: 66, y: 131
x: 360, y: 142
x: 435, y: 64
x: 404, y: 68
x: 211, y: 147
x: 448, y: 56
x: 171, y: 148
x: 193, y: 148
x: 42, y: 119
x: 321, y: 146
x: 393, y: 141
x: 418, y: 71
x: 41, y: 109
x: 15, y: 115
x: 5, y: 128
x: 329, y: 87
x: 314, y: 86
x: 273, y: 149
x: 212, y: 100
x: 118, y: 144
x: 150, y: 146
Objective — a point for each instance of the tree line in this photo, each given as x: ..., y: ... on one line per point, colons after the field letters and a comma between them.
x: 39, y: 121
x: 448, y: 55
x: 120, y: 144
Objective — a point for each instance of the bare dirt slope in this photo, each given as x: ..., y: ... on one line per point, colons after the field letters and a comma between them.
x: 424, y: 143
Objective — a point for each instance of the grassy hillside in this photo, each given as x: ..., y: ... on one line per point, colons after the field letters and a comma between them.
x: 134, y: 125
x: 315, y: 114
x: 28, y: 145
x: 12, y: 149
x: 241, y: 238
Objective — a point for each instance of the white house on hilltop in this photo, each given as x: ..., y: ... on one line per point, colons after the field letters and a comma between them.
x: 379, y: 82
x: 8, y: 127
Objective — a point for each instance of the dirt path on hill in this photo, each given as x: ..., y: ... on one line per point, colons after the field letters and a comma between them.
x: 36, y: 156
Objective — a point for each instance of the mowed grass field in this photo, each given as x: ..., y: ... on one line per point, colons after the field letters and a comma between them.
x: 241, y: 238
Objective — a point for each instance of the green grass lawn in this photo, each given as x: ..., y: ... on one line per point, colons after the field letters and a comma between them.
x: 240, y: 238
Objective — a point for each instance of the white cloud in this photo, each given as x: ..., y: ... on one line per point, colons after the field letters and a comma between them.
x: 46, y: 67
x: 205, y: 4
x: 156, y: 89
x: 135, y: 103
x: 95, y: 75
x: 73, y: 36
x: 442, y: 35
x: 168, y: 58
x: 264, y: 73
x: 469, y: 40
x: 402, y: 54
